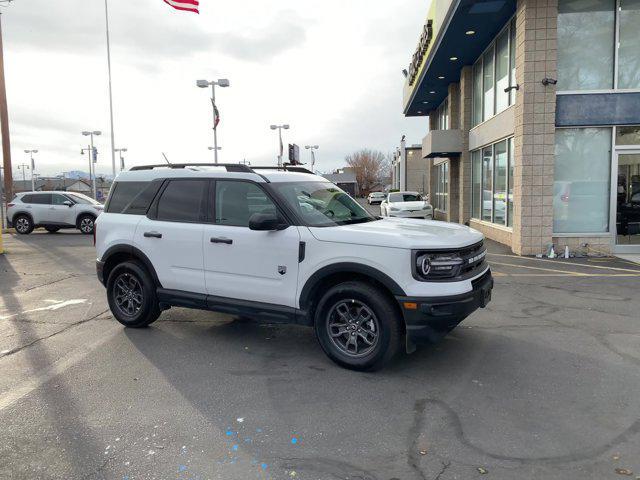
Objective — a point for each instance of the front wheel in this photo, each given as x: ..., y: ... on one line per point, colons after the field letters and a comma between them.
x: 358, y: 326
x: 131, y: 293
x: 86, y: 224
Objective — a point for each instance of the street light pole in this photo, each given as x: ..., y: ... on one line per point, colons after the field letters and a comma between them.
x: 24, y: 167
x: 121, y: 151
x: 33, y: 168
x: 4, y: 120
x: 279, y: 128
x: 313, y: 156
x: 93, y: 157
x: 223, y: 83
x: 113, y: 142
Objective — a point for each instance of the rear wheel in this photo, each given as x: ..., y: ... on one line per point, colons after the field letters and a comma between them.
x: 358, y: 326
x: 23, y: 224
x: 131, y: 293
x: 52, y: 229
x: 86, y: 224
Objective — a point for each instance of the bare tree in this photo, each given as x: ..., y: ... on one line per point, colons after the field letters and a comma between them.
x: 369, y: 166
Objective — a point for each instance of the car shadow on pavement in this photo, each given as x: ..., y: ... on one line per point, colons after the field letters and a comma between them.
x: 473, y: 391
x: 63, y: 436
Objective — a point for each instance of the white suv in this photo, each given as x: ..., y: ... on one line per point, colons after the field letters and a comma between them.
x: 53, y: 211
x: 284, y: 245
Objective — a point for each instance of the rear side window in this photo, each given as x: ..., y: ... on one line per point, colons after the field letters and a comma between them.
x: 25, y: 198
x: 38, y: 199
x: 123, y: 194
x: 141, y: 202
x: 181, y: 201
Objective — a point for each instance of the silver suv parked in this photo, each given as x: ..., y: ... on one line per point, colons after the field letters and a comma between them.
x: 53, y: 211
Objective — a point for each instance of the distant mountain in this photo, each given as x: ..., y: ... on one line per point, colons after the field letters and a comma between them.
x: 81, y: 174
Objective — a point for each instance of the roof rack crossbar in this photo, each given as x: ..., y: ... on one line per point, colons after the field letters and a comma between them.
x: 230, y: 167
x: 286, y: 168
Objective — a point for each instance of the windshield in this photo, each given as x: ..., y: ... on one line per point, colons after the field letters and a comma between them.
x: 404, y: 197
x: 322, y: 204
x: 82, y: 199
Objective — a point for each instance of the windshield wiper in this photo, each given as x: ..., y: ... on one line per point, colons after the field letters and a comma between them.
x: 353, y: 221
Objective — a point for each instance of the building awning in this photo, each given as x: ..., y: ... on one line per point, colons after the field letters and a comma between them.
x: 447, y: 45
x: 442, y: 143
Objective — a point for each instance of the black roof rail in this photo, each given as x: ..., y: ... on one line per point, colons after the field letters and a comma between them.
x: 230, y: 167
x: 286, y: 168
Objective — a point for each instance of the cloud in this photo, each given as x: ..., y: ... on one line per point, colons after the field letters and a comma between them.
x: 145, y: 32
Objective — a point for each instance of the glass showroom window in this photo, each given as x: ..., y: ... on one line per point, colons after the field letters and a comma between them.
x: 443, y: 115
x: 442, y: 186
x: 581, y: 180
x: 494, y: 72
x: 587, y: 44
x: 492, y: 184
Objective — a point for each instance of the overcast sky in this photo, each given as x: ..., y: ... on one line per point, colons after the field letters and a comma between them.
x: 329, y: 68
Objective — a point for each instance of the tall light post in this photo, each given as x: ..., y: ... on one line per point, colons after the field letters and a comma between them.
x: 4, y: 120
x: 113, y: 141
x: 121, y: 151
x: 24, y: 167
x: 93, y: 157
x: 33, y: 168
x: 279, y: 128
x: 313, y: 156
x: 223, y: 83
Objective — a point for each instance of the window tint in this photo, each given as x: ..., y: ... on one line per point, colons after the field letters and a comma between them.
x: 237, y: 201
x: 59, y: 199
x: 25, y: 198
x: 41, y: 199
x: 141, y: 202
x: 122, y: 194
x: 181, y: 201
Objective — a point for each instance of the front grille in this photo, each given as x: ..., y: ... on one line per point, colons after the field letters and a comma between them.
x: 473, y: 262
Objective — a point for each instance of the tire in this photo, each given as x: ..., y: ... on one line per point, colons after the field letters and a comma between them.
x: 86, y: 224
x: 141, y: 308
x: 23, y: 224
x: 52, y: 229
x: 379, y: 318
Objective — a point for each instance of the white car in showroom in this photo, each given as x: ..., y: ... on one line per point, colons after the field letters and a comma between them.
x: 406, y: 205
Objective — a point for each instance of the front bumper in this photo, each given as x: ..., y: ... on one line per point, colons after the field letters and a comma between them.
x: 429, y: 319
x: 428, y: 214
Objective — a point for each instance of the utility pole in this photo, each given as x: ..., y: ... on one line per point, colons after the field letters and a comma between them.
x: 93, y: 156
x: 4, y: 121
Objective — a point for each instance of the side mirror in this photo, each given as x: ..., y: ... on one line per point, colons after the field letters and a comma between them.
x: 68, y: 203
x: 266, y: 222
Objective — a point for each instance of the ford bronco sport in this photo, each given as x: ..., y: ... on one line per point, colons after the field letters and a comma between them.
x: 285, y: 245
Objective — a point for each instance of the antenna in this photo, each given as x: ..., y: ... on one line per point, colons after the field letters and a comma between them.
x: 166, y: 159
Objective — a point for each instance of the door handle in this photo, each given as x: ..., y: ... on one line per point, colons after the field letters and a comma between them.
x: 227, y: 241
x: 152, y: 235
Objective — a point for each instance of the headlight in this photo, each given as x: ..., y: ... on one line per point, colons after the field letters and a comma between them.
x: 432, y: 266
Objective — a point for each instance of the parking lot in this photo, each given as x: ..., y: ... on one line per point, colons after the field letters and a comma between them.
x: 543, y: 383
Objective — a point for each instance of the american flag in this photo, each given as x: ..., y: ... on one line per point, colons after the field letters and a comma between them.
x: 186, y: 5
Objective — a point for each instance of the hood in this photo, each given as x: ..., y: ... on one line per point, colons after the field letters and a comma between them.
x: 407, y: 233
x: 410, y: 205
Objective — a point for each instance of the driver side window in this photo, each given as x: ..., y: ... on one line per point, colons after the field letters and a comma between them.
x: 235, y: 202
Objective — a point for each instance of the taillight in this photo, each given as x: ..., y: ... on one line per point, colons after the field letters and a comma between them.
x: 10, y: 204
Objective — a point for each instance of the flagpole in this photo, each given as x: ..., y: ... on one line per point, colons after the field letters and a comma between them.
x: 113, y: 142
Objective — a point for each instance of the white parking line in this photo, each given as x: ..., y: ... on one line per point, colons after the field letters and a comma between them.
x: 55, y: 306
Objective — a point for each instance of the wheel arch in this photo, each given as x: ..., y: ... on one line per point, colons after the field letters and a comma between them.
x: 22, y: 212
x: 341, y: 272
x: 122, y: 253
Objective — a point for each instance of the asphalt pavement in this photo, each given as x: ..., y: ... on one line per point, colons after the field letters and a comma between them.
x: 542, y: 384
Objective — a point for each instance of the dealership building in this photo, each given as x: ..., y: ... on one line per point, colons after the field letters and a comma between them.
x: 532, y: 121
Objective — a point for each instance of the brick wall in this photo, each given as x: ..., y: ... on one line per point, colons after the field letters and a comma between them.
x: 536, y: 58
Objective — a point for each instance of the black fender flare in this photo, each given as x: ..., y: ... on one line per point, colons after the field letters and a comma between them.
x: 134, y: 252
x: 346, y: 267
x: 22, y: 212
